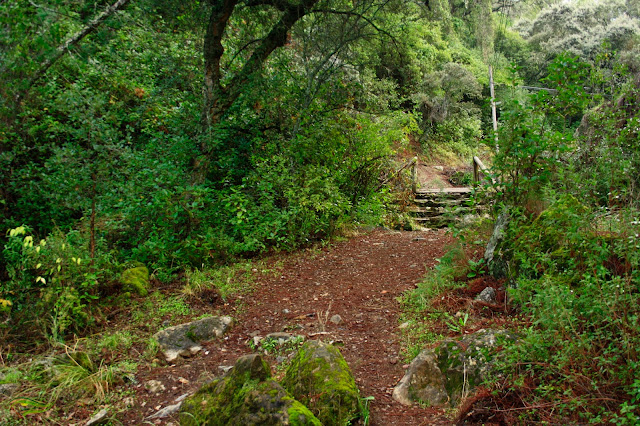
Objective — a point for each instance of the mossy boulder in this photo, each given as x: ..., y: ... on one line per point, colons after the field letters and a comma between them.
x: 245, y: 396
x: 136, y: 280
x: 448, y: 373
x: 320, y: 378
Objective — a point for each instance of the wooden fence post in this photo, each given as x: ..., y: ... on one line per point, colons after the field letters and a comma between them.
x: 494, y: 115
x: 476, y: 172
x: 414, y: 175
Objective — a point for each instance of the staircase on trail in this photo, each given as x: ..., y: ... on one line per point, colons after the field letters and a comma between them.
x: 437, y: 207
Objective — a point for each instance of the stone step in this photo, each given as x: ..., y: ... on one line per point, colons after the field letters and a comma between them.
x: 443, y: 194
x: 431, y: 202
x: 432, y: 222
x: 435, y: 211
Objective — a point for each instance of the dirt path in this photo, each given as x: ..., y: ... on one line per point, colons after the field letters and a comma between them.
x: 359, y: 279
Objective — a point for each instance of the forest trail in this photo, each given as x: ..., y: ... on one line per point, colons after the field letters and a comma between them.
x: 359, y: 279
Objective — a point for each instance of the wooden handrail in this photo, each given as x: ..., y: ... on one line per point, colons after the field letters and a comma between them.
x: 479, y: 167
x: 414, y: 174
x: 411, y: 163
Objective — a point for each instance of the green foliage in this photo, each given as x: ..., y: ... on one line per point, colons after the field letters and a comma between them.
x: 578, y: 282
x: 52, y: 282
x: 610, y: 131
x: 67, y: 378
x: 237, y: 279
x: 535, y: 134
x: 458, y: 324
x: 105, y: 141
x: 573, y: 250
x: 274, y: 347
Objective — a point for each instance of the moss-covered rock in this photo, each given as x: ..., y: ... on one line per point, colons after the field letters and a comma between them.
x: 136, y: 280
x: 246, y: 395
x: 451, y: 371
x: 320, y: 378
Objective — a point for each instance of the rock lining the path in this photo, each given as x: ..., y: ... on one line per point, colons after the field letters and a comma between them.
x: 247, y: 395
x: 488, y: 295
x: 493, y: 255
x: 450, y: 372
x: 184, y: 340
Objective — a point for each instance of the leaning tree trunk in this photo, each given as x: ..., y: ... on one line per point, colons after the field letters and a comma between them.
x: 75, y: 39
x: 217, y: 98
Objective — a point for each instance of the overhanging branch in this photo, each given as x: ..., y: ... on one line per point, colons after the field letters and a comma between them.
x: 75, y: 39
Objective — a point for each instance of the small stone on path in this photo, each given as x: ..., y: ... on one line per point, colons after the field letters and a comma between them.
x: 100, y: 418
x: 336, y: 319
x: 154, y: 386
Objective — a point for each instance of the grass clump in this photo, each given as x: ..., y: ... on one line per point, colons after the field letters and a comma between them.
x: 227, y: 281
x: 419, y: 314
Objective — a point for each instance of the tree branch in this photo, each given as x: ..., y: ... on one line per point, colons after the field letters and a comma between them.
x: 75, y: 39
x: 219, y: 99
x: 359, y: 15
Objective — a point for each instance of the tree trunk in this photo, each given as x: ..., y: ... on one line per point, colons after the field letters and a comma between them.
x: 218, y: 99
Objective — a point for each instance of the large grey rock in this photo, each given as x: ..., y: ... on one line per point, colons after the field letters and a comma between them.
x: 320, y: 378
x: 423, y: 381
x: 245, y: 396
x: 448, y: 373
x: 183, y: 340
x: 496, y: 264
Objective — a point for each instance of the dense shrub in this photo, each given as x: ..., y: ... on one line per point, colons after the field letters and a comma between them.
x: 573, y: 260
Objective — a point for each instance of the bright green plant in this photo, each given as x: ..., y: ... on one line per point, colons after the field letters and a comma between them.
x: 458, y: 324
x: 364, y: 409
x: 476, y: 268
x: 53, y: 280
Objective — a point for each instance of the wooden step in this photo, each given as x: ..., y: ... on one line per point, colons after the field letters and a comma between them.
x: 443, y: 194
x: 444, y: 191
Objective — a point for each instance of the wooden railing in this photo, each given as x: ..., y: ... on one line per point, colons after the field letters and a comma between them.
x: 480, y: 169
x: 414, y: 180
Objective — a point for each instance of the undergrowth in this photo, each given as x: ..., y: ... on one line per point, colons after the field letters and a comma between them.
x: 572, y: 256
x: 99, y: 368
